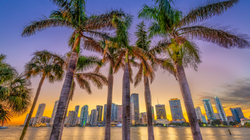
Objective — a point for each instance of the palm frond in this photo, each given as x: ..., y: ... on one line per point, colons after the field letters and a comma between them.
x: 209, y: 9
x: 43, y: 24
x: 148, y: 12
x: 220, y: 36
x: 92, y: 45
x: 103, y: 21
x: 138, y: 76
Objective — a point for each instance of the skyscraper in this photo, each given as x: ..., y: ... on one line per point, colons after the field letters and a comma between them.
x: 99, y: 110
x: 135, y: 99
x: 176, y: 110
x: 217, y: 116
x: 203, y: 119
x: 160, y: 111
x: 53, y: 113
x: 209, y: 109
x: 77, y: 109
x: 93, y: 117
x: 26, y: 119
x: 237, y: 113
x: 84, y: 115
x: 72, y: 118
x: 119, y: 113
x: 144, y: 118
x: 132, y: 113
x: 153, y: 115
x: 220, y: 109
x: 104, y: 113
x: 113, y: 112
x: 39, y: 114
x: 198, y: 113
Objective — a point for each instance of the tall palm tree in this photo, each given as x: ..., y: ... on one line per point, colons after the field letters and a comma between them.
x: 178, y: 28
x: 84, y: 78
x: 14, y: 92
x: 110, y: 56
x: 147, y: 66
x: 72, y: 14
x: 48, y: 66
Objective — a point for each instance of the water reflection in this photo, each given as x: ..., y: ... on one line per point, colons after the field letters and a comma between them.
x: 137, y: 133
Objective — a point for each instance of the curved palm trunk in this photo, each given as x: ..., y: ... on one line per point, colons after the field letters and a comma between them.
x: 109, y: 106
x: 64, y: 97
x: 32, y: 108
x: 126, y: 105
x: 186, y: 94
x: 148, y: 107
x: 64, y: 116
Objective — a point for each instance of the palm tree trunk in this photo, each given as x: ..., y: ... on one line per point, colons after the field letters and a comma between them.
x: 32, y: 107
x: 149, y: 109
x: 109, y: 106
x: 186, y: 94
x: 126, y: 105
x: 64, y: 97
x: 64, y: 116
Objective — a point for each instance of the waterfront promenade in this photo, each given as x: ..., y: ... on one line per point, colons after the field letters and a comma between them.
x: 137, y: 133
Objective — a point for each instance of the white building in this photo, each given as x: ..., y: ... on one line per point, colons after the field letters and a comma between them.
x: 39, y: 114
x: 54, y: 113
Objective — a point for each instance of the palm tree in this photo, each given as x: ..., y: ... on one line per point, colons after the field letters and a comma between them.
x: 14, y: 92
x: 110, y: 56
x: 72, y: 14
x: 178, y: 29
x: 48, y: 66
x: 146, y: 70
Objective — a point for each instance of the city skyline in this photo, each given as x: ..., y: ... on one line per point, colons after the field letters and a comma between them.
x: 174, y: 104
x: 212, y: 77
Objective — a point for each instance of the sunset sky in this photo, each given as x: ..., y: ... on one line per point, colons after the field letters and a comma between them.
x: 223, y: 72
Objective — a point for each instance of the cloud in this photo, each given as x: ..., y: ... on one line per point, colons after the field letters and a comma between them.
x: 231, y: 95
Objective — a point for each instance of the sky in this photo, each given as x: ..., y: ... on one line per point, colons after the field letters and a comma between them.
x: 223, y: 72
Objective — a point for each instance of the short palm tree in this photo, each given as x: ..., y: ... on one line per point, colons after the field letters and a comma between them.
x: 15, y: 93
x: 178, y: 29
x: 72, y: 14
x: 48, y: 66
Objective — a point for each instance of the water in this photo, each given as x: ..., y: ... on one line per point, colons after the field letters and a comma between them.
x: 137, y: 133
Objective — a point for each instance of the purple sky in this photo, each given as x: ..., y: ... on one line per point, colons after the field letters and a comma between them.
x: 222, y: 73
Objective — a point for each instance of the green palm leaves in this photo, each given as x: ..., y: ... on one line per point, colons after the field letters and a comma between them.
x: 45, y: 64
x: 15, y: 92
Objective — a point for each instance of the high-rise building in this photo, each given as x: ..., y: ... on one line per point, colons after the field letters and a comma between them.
x: 104, y: 113
x: 77, y: 109
x: 160, y: 111
x: 72, y: 118
x: 93, y: 117
x: 113, y: 112
x: 203, y: 118
x: 144, y: 118
x: 132, y: 113
x: 99, y: 110
x: 220, y: 109
x: 176, y: 110
x: 135, y: 99
x: 209, y: 109
x: 39, y: 114
x: 45, y: 119
x: 237, y: 113
x: 230, y: 119
x: 26, y: 119
x: 153, y: 114
x: 54, y: 113
x: 32, y: 120
x: 84, y: 115
x: 119, y: 113
x: 198, y: 113
x: 217, y: 116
